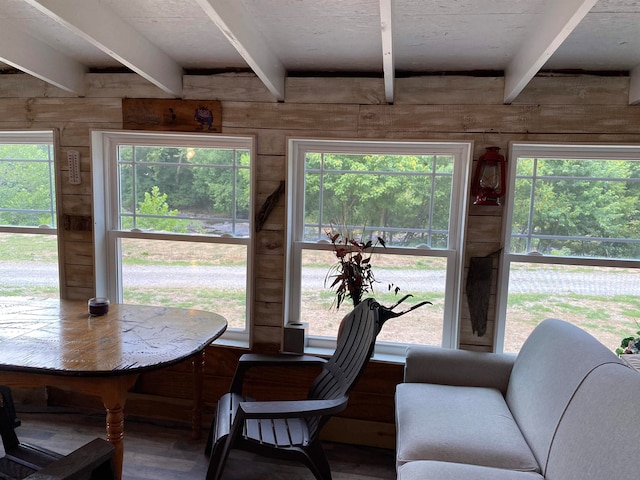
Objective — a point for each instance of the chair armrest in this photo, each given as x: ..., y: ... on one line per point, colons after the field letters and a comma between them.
x: 426, y: 364
x: 250, y: 360
x: 80, y: 463
x: 292, y: 408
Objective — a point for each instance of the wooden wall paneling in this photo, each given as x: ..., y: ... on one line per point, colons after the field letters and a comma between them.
x: 83, y: 188
x: 120, y: 85
x: 78, y: 253
x: 79, y: 134
x: 221, y: 360
x: 296, y: 116
x: 575, y: 90
x: 487, y: 228
x: 277, y: 217
x: 268, y: 290
x: 270, y: 266
x: 271, y: 167
x: 77, y: 204
x: 360, y: 432
x: 370, y: 406
x: 381, y: 377
x: 269, y: 313
x: 500, y: 118
x: 77, y: 110
x: 340, y: 90
x: 481, y: 249
x: 21, y: 85
x: 550, y: 109
x: 79, y: 276
x: 269, y: 242
x: 266, y: 338
x: 449, y: 90
x: 78, y: 236
x: 237, y: 87
x: 166, y: 382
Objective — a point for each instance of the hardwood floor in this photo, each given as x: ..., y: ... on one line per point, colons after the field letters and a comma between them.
x: 156, y: 451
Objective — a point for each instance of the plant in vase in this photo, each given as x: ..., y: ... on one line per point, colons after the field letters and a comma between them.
x: 352, y: 275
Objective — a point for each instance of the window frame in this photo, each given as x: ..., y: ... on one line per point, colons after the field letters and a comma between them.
x: 48, y: 136
x: 106, y: 209
x: 561, y: 151
x: 296, y: 149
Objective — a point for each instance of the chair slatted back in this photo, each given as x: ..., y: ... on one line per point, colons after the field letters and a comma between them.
x: 355, y: 347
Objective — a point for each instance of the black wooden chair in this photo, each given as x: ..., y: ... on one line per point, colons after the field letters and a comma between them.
x: 92, y: 461
x: 290, y: 429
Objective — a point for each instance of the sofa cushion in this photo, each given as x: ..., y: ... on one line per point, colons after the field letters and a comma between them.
x: 427, y: 469
x: 458, y: 424
x: 599, y: 435
x: 552, y: 363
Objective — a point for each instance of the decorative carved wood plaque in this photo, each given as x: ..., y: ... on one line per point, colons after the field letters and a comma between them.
x: 172, y: 115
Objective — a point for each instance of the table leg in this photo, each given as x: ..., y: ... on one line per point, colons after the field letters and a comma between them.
x: 114, y: 397
x: 198, y: 376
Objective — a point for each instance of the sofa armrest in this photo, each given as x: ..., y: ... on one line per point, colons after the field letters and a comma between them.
x: 444, y: 366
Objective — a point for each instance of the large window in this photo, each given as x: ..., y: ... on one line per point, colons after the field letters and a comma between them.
x: 28, y: 234
x: 174, y: 220
x: 572, y: 246
x: 410, y: 194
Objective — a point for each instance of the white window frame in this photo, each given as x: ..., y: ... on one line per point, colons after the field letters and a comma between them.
x: 106, y: 207
x: 297, y: 147
x: 583, y: 151
x: 40, y: 137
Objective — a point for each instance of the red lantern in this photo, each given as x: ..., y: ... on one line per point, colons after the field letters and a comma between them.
x: 489, y: 181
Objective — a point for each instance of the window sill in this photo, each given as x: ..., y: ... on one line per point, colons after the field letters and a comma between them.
x: 386, y: 357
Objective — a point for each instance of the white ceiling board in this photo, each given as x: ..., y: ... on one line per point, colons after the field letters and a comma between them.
x: 601, y: 42
x: 36, y: 58
x: 556, y: 23
x: 100, y: 26
x: 462, y: 35
x: 235, y: 22
x: 288, y: 37
x: 182, y: 30
x: 322, y: 36
x: 36, y: 24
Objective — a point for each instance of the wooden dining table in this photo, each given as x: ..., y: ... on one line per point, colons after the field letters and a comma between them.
x: 53, y: 342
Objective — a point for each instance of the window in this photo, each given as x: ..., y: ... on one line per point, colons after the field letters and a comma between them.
x: 173, y: 221
x: 28, y: 217
x: 408, y: 193
x: 572, y: 243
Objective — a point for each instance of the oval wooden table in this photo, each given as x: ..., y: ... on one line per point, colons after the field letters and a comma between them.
x: 55, y: 342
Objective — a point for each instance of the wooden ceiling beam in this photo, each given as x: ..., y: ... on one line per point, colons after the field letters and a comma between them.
x: 559, y: 19
x: 36, y: 58
x: 388, y: 61
x: 235, y: 22
x: 101, y: 27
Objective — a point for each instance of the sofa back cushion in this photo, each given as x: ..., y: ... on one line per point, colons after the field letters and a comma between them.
x: 598, y: 436
x: 550, y: 367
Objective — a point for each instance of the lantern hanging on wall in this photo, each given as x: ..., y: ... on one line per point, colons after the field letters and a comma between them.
x: 489, y: 180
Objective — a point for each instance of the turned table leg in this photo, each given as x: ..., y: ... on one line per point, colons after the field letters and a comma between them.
x: 114, y: 396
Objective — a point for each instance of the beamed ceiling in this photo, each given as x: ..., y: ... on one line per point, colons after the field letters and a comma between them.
x: 59, y: 41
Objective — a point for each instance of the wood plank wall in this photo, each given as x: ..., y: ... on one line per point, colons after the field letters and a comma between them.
x: 551, y: 109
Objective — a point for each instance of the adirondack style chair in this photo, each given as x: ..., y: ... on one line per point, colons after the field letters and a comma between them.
x: 290, y: 429
x: 92, y: 461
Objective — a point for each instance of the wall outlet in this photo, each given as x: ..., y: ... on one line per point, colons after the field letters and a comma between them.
x: 73, y: 156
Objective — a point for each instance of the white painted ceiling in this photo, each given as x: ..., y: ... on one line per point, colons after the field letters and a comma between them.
x: 60, y: 40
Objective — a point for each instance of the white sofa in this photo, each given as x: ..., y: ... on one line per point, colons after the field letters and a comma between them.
x: 564, y: 408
